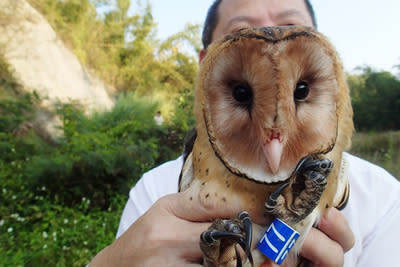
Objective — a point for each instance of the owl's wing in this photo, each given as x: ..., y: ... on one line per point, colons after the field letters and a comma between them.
x: 186, y: 175
x: 343, y: 187
x: 189, y: 143
x: 345, y: 198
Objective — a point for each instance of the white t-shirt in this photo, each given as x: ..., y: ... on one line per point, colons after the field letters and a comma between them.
x: 373, y: 209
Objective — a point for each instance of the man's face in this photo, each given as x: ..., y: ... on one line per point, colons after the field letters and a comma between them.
x: 237, y: 14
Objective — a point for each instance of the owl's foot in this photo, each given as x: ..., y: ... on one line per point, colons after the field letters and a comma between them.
x: 305, y: 190
x: 219, y: 242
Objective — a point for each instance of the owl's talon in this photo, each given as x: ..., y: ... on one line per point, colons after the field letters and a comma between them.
x: 323, y: 166
x: 307, y: 183
x: 319, y: 178
x: 222, y: 235
x: 317, y: 170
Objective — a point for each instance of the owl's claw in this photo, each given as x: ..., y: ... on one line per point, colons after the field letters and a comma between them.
x: 248, y: 229
x: 238, y: 258
x: 306, y: 187
x: 222, y: 236
x: 273, y: 198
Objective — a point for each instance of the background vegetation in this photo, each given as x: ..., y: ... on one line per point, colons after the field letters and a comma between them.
x: 61, y: 198
x: 121, y: 48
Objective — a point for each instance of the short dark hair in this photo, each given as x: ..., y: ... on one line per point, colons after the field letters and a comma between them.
x: 210, y: 24
x: 310, y: 10
x: 212, y: 19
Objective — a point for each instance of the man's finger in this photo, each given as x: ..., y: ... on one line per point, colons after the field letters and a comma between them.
x: 335, y: 225
x: 320, y: 250
x: 326, y: 246
x: 189, y: 208
x: 182, y: 232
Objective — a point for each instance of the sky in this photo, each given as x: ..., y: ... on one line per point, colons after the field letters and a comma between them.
x: 365, y: 32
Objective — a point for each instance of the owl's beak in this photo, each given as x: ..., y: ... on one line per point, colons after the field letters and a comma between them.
x: 272, y: 149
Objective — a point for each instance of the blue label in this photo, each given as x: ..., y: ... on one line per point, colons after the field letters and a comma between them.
x: 277, y: 241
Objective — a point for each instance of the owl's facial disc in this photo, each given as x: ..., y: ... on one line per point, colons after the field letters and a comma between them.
x: 268, y: 98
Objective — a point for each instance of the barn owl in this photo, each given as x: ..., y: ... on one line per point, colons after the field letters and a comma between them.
x: 273, y: 117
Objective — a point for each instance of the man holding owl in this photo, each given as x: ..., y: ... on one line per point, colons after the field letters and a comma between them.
x: 161, y: 227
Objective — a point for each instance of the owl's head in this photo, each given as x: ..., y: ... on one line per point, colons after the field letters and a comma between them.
x: 267, y: 97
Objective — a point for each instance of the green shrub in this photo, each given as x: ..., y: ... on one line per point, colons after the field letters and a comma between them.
x: 102, y: 154
x: 61, y: 204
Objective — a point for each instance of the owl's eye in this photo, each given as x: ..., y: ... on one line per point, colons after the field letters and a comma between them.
x: 302, y: 91
x: 242, y: 94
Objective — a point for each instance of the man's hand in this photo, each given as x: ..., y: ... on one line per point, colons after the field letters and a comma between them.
x: 326, y: 246
x: 168, y: 235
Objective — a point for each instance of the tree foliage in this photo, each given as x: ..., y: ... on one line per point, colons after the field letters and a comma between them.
x: 117, y: 41
x: 376, y: 100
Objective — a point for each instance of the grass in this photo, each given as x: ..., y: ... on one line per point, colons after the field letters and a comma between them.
x: 381, y: 148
